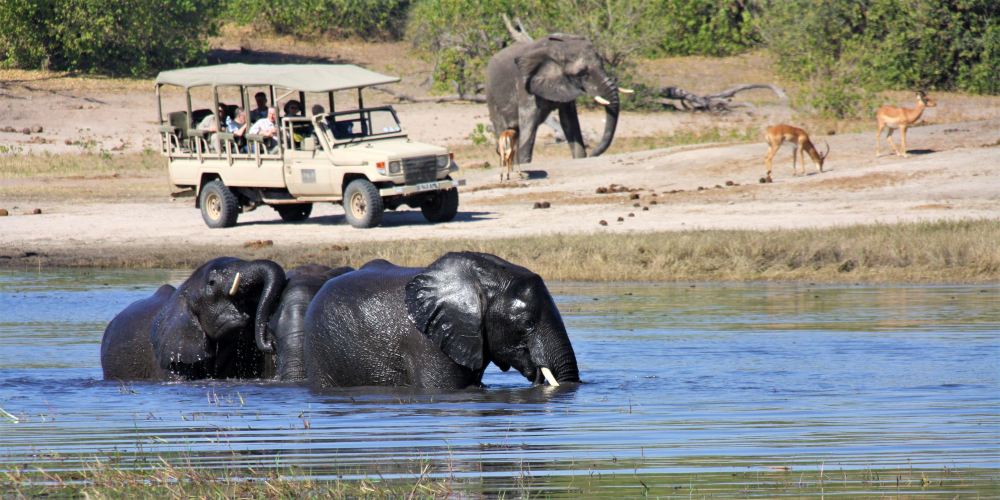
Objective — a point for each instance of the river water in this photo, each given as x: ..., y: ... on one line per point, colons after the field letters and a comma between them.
x: 679, y: 379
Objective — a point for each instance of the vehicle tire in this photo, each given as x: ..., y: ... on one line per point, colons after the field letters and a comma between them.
x: 219, y: 206
x: 362, y: 204
x: 442, y: 206
x: 294, y: 213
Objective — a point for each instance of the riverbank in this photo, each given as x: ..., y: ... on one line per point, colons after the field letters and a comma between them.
x: 920, y: 252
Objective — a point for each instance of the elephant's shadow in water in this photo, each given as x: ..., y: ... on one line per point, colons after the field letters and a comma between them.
x: 390, y: 219
x: 506, y: 401
x: 535, y: 174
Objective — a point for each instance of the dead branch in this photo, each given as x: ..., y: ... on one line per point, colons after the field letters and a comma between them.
x: 716, y: 103
x: 401, y: 97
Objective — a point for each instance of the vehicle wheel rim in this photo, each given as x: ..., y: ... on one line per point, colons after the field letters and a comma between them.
x: 213, y: 206
x: 358, y: 205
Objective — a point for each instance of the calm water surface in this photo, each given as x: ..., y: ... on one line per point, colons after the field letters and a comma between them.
x: 680, y: 378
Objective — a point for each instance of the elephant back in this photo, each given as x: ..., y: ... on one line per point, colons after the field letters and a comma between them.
x: 354, y: 324
x: 126, y: 350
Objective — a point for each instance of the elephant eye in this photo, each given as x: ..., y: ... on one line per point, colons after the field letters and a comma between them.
x: 211, y: 283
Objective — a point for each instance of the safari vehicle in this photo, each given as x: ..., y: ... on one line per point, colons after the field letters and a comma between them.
x: 358, y: 157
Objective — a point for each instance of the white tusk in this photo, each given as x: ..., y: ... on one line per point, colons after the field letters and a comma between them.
x: 602, y: 101
x: 624, y: 90
x: 551, y: 379
x: 236, y: 285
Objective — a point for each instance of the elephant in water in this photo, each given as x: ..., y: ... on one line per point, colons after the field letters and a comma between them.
x: 435, y: 327
x: 214, y: 325
x: 288, y: 320
x: 528, y: 80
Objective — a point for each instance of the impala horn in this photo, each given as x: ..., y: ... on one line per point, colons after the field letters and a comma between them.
x: 551, y: 379
x: 236, y: 285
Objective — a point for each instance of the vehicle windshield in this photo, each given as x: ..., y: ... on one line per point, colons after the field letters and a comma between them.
x: 357, y: 124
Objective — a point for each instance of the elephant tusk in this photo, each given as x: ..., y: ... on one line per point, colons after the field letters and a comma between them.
x: 236, y: 285
x: 624, y: 90
x: 551, y: 379
x: 602, y: 101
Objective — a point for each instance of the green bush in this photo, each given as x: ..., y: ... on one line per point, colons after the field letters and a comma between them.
x: 124, y: 37
x: 370, y: 20
x: 705, y: 27
x: 847, y: 50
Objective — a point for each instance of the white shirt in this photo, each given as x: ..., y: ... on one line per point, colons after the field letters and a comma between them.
x: 262, y: 126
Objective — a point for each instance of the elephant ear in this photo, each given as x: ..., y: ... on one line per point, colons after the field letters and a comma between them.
x: 177, y: 336
x: 544, y: 77
x: 445, y: 304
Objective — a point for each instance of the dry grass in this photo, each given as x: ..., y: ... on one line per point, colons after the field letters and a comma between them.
x: 87, y: 177
x: 926, y: 252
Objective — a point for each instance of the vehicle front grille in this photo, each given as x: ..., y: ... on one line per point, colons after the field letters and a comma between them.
x: 417, y: 170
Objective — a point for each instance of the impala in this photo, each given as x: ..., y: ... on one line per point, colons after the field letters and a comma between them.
x: 776, y: 135
x: 507, y: 149
x: 894, y: 117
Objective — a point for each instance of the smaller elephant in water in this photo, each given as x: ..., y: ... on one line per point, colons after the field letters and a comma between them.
x: 214, y: 325
x: 435, y: 327
x: 288, y: 321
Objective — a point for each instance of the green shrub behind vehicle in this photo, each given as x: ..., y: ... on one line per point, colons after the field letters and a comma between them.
x: 366, y: 19
x: 119, y: 37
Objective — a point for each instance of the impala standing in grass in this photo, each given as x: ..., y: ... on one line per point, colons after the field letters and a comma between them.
x: 776, y: 135
x: 895, y: 117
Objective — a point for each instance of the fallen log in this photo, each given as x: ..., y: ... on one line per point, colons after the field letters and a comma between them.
x: 716, y: 103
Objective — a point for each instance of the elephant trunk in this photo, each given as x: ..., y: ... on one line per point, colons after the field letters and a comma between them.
x: 555, y: 351
x: 270, y: 277
x: 608, y: 92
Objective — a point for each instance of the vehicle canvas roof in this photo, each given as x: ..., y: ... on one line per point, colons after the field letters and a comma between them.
x: 302, y: 77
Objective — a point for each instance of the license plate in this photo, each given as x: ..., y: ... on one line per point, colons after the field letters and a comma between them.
x: 427, y: 186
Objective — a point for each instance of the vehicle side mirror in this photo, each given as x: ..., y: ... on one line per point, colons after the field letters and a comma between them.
x: 309, y: 144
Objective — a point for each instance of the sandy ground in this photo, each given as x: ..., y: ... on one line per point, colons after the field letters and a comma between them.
x: 953, y: 172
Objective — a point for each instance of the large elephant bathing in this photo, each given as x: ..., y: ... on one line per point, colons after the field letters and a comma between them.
x: 380, y: 325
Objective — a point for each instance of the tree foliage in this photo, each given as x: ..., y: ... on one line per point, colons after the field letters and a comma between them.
x: 128, y: 37
x: 706, y: 27
x: 378, y: 20
x: 846, y: 50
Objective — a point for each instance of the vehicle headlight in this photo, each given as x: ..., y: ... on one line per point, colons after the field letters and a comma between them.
x: 394, y: 167
x: 443, y: 161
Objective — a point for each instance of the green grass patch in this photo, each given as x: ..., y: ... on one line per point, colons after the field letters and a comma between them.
x: 923, y: 252
x: 86, y: 165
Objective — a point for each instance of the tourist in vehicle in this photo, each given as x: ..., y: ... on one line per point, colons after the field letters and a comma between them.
x: 267, y: 127
x: 261, y: 110
x: 211, y: 124
x: 293, y: 108
x: 238, y: 127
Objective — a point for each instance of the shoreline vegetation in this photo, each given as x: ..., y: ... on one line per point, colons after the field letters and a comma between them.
x: 960, y: 251
x: 160, y: 478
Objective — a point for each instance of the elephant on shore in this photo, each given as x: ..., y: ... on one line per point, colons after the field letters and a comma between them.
x: 214, y: 325
x: 528, y: 80
x: 288, y: 321
x: 435, y: 327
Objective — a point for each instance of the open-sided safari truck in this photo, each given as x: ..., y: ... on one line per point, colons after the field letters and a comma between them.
x: 359, y: 157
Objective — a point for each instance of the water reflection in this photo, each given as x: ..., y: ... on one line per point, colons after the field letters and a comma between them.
x: 678, y: 377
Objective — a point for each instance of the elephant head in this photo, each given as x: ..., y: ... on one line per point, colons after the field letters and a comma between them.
x: 478, y: 308
x: 560, y: 68
x: 205, y: 328
x: 288, y: 320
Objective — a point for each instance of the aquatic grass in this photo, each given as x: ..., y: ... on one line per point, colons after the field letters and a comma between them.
x: 920, y: 252
x: 177, y: 478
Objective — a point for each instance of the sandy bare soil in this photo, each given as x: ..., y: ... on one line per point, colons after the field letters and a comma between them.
x: 953, y: 172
